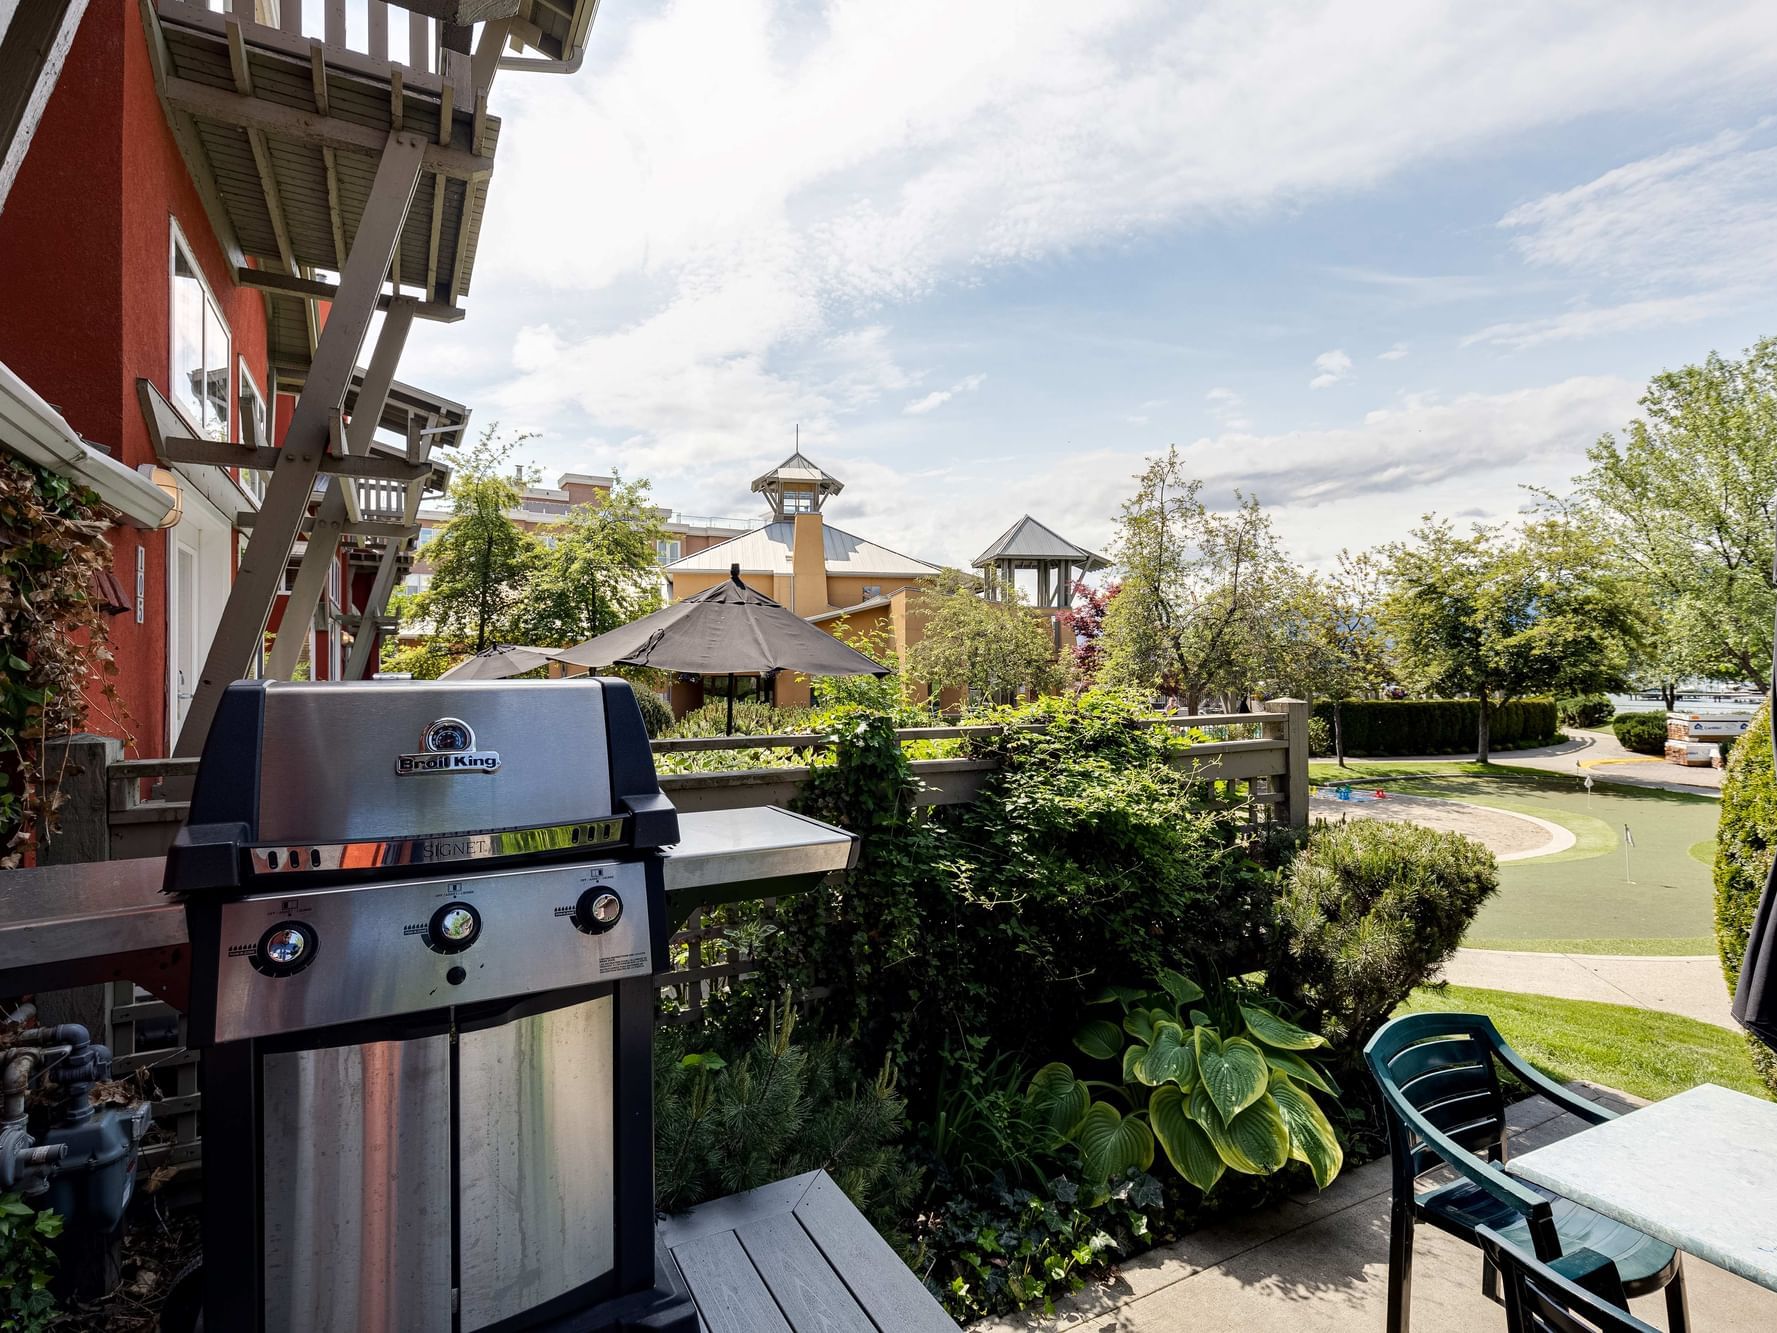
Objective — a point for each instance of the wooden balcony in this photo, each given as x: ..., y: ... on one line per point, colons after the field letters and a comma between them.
x: 282, y: 132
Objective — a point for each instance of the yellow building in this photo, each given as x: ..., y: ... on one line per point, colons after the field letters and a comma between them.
x: 822, y: 573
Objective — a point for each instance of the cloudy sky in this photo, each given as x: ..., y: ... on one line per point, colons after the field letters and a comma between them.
x: 1363, y: 260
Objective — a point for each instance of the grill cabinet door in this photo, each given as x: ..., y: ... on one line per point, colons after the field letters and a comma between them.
x: 357, y: 1188
x: 535, y: 1126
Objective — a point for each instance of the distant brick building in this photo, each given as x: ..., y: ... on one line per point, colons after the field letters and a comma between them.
x: 821, y: 572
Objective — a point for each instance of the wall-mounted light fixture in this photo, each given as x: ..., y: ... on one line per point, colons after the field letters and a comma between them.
x: 168, y: 483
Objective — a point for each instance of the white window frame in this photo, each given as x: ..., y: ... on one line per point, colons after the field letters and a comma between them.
x: 176, y: 243
x: 252, y: 479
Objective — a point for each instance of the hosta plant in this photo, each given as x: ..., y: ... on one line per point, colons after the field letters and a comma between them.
x: 1218, y: 1082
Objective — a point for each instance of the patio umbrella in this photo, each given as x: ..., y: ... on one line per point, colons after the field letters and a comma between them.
x: 726, y: 630
x: 499, y: 662
x: 1755, y: 998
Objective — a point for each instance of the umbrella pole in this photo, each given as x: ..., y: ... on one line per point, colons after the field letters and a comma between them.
x: 731, y: 703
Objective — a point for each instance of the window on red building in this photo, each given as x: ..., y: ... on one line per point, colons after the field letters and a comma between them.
x: 200, y: 362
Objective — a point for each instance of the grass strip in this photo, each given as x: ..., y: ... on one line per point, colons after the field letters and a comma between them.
x: 1688, y: 947
x: 1649, y: 1054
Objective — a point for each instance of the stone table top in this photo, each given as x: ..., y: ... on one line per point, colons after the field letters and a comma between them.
x: 1698, y: 1171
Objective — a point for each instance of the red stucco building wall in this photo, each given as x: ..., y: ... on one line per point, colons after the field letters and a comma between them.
x: 84, y: 253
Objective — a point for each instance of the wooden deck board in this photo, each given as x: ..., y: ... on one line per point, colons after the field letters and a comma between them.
x: 813, y: 1297
x: 727, y: 1288
x: 796, y: 1255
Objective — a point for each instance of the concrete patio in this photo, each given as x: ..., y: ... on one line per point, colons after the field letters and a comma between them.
x: 1319, y: 1264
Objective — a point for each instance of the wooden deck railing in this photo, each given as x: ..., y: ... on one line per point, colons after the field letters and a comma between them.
x: 121, y: 808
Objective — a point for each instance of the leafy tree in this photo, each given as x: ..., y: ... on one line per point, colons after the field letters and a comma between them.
x: 993, y: 648
x: 1687, y: 495
x: 1345, y: 647
x: 1200, y: 606
x: 601, y: 571
x: 1497, y: 614
x: 482, y: 560
x: 1084, y: 619
x: 426, y: 660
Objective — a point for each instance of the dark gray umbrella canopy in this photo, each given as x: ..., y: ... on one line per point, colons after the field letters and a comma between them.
x: 1755, y: 998
x: 499, y: 662
x: 726, y: 630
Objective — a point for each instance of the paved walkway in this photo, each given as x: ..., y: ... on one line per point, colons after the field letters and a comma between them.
x: 1598, y: 753
x: 1319, y: 1264
x: 1594, y: 752
x: 1691, y: 986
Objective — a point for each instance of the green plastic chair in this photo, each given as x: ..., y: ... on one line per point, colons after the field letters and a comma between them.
x: 1578, y: 1293
x: 1439, y: 1078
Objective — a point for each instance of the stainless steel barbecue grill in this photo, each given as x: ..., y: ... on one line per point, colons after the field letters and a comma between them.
x: 424, y: 921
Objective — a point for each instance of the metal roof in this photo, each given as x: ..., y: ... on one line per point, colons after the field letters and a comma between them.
x: 798, y: 468
x: 1028, y: 539
x: 767, y: 550
x: 868, y: 604
x: 282, y: 135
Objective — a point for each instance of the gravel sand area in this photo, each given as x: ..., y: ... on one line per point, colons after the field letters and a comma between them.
x: 1508, y: 835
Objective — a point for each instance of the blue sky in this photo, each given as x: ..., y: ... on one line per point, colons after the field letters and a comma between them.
x: 1363, y: 260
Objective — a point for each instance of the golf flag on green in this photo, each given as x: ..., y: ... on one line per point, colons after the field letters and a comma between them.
x: 1628, y: 837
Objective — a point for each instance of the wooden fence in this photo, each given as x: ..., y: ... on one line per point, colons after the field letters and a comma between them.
x: 124, y: 816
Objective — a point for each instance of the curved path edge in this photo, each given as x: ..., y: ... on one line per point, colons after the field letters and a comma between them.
x: 1692, y: 986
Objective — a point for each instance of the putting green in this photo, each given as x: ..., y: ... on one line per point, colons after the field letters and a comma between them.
x: 1588, y: 896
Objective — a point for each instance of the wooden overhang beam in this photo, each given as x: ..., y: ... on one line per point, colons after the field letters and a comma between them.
x: 337, y: 515
x: 313, y: 289
x: 191, y: 147
x: 217, y: 453
x: 366, y: 527
x: 288, y: 122
x: 34, y: 46
x: 256, y: 141
x: 261, y: 570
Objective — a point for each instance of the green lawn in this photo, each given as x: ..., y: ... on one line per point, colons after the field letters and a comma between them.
x: 1580, y: 900
x: 1652, y: 1055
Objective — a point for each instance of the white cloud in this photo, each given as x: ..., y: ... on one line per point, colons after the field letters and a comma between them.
x: 1333, y: 367
x: 1670, y: 239
x: 1593, y: 322
x: 750, y: 188
x: 1356, y: 484
x: 1395, y: 353
x: 933, y: 401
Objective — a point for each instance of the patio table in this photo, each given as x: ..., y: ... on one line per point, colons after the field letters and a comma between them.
x: 1698, y: 1171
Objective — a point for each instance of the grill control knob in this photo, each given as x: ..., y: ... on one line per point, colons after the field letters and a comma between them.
x: 453, y: 928
x: 597, y: 911
x: 286, y: 948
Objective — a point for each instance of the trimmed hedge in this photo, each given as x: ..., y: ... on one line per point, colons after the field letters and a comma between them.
x: 1644, y: 733
x: 1586, y: 710
x: 1437, y: 726
x: 1744, y: 840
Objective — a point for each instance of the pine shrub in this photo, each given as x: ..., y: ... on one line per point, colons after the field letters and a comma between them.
x: 1368, y: 911
x: 1745, y: 842
x: 727, y: 1122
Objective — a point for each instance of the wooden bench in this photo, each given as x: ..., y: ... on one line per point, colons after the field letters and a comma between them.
x: 795, y: 1257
